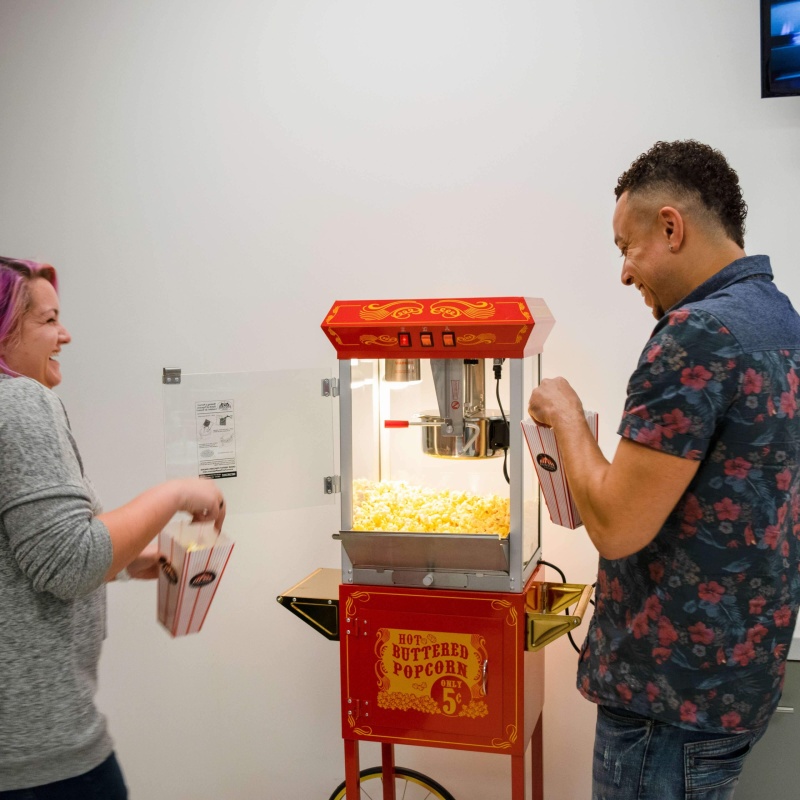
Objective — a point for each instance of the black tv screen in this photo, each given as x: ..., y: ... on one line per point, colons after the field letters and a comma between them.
x: 780, y: 48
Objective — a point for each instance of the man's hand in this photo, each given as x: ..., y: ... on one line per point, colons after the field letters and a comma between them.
x: 625, y: 502
x: 555, y: 400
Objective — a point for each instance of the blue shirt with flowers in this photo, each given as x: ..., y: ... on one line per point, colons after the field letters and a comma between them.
x: 694, y: 629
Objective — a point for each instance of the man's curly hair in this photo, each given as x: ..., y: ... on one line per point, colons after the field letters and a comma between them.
x: 690, y: 168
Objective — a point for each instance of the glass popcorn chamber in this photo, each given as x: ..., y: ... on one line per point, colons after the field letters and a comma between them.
x: 437, y: 487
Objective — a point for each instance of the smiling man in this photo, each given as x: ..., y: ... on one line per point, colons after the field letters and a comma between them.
x: 696, y: 517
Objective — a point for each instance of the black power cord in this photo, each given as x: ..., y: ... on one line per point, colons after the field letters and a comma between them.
x: 498, y: 372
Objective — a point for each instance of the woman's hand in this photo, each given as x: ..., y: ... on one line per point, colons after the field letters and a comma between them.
x: 202, y: 498
x: 146, y: 565
x: 133, y: 526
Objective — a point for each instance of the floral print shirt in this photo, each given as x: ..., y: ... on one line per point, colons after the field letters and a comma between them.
x: 694, y: 629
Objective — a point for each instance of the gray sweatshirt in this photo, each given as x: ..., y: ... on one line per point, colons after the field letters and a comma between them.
x: 54, y: 554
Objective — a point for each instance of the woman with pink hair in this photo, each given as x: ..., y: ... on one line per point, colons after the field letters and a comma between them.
x: 58, y: 549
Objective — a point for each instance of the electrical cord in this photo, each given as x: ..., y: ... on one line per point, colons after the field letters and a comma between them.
x: 498, y: 371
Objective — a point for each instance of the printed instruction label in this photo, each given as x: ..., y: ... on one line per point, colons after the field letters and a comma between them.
x: 216, y: 439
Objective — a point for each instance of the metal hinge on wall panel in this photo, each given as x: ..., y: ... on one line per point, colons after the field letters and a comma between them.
x: 171, y: 376
x: 333, y: 484
x: 330, y: 387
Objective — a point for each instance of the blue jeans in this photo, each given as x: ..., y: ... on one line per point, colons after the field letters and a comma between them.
x: 102, y: 783
x: 638, y: 758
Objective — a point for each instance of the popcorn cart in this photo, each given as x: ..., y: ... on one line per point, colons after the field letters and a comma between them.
x: 441, y: 607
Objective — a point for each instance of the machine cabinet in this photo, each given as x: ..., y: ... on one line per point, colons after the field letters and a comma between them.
x: 437, y: 668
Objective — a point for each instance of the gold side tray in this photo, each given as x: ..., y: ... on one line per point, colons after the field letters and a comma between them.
x: 315, y: 599
x: 543, y: 603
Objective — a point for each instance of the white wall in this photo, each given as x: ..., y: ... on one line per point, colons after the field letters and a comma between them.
x: 208, y: 177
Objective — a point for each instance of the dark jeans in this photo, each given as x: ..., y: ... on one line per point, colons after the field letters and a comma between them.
x: 102, y: 783
x: 637, y: 758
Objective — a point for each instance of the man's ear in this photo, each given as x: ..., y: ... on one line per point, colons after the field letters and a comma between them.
x: 671, y: 226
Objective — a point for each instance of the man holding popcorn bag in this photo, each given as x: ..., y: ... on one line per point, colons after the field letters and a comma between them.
x: 695, y: 517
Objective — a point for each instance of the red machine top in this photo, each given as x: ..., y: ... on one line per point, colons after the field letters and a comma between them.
x: 471, y: 327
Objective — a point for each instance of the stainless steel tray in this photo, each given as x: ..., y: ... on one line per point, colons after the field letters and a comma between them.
x: 448, y: 552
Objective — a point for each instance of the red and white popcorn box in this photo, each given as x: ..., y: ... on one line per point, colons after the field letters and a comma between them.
x: 193, y: 560
x: 552, y: 478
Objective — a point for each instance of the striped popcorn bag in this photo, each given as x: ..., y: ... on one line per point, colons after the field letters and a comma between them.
x: 193, y: 558
x: 552, y: 478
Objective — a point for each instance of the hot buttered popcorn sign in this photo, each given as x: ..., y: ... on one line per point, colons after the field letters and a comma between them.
x: 431, y: 672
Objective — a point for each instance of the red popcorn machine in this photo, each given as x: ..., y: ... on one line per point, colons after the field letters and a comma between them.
x: 441, y: 608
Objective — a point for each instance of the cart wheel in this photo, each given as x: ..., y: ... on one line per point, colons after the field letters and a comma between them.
x: 409, y: 785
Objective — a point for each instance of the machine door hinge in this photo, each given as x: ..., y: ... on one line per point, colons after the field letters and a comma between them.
x: 356, y: 626
x: 171, y: 376
x: 333, y: 484
x: 353, y: 708
x: 330, y: 387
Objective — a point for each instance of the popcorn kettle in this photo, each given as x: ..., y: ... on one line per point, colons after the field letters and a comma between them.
x: 461, y: 427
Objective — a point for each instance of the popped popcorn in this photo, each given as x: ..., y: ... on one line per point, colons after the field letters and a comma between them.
x: 399, y: 506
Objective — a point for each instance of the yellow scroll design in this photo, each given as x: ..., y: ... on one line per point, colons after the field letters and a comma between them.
x: 332, y: 333
x: 522, y: 331
x: 511, y: 737
x: 451, y: 309
x: 511, y: 615
x: 380, y: 669
x: 380, y: 341
x: 360, y: 731
x: 397, y: 309
x: 350, y: 605
x: 472, y: 339
x: 523, y: 310
x: 481, y: 653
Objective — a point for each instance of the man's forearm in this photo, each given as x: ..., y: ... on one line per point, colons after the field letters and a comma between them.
x: 585, y: 467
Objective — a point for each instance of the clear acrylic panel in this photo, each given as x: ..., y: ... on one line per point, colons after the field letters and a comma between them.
x: 531, y: 527
x: 268, y: 437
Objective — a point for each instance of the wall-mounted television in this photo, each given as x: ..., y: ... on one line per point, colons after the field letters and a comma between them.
x: 780, y: 48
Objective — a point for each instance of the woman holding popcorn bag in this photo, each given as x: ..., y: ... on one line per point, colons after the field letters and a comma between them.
x: 57, y: 552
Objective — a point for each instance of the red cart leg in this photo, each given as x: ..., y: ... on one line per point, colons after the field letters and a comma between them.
x: 387, y: 764
x: 518, y: 777
x: 537, y: 761
x: 351, y: 770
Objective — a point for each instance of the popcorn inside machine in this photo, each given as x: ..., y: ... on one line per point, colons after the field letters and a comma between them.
x: 443, y: 609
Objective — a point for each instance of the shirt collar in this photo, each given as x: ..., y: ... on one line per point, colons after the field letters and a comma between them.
x: 739, y: 270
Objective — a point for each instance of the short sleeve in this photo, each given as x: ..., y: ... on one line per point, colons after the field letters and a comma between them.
x: 687, y: 378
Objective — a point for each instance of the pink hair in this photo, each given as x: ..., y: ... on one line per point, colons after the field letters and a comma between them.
x: 16, y: 276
